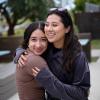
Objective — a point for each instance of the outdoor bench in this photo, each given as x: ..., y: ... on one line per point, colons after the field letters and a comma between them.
x: 85, y: 40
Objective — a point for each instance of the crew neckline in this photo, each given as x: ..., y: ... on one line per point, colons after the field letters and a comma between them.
x: 55, y: 50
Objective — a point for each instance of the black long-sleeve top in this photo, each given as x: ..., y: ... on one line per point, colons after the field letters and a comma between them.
x: 62, y: 85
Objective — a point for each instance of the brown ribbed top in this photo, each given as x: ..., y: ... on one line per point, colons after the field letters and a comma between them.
x: 28, y: 88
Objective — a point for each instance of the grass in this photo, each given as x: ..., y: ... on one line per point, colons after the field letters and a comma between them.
x: 94, y: 59
x: 95, y: 44
x: 18, y: 32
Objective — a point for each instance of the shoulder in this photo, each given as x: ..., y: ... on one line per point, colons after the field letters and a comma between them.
x: 81, y: 55
x: 81, y: 62
x: 30, y: 57
x: 34, y: 59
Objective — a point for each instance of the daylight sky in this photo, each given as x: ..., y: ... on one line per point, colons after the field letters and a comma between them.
x: 69, y: 3
x: 1, y: 1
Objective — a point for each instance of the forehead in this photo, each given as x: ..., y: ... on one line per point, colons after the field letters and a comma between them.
x: 53, y: 18
x: 38, y: 33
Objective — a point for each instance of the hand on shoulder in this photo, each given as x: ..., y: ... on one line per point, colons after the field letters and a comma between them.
x: 36, y: 61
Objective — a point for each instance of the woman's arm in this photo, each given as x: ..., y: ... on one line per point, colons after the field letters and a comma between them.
x: 34, y: 61
x: 75, y: 91
x: 18, y: 53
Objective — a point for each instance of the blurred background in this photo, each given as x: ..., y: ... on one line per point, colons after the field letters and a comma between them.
x: 16, y: 15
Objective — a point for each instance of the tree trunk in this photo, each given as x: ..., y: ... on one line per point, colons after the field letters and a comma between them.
x: 11, y: 30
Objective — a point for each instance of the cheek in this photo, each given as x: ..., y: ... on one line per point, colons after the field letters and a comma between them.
x: 58, y: 29
x: 45, y: 29
x: 60, y: 34
x: 61, y: 30
x: 31, y: 44
x: 44, y: 45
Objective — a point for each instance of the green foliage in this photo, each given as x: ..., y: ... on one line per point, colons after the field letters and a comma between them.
x: 32, y: 9
x: 18, y: 11
x: 38, y: 10
x: 80, y: 4
x: 95, y: 1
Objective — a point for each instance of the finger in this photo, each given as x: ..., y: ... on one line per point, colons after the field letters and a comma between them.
x: 20, y: 63
x: 18, y: 66
x: 23, y: 57
x: 25, y: 53
x: 34, y: 72
x: 37, y: 69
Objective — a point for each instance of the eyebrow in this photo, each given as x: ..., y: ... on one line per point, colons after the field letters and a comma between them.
x: 53, y: 22
x: 36, y: 37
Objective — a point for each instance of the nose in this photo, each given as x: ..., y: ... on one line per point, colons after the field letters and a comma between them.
x: 38, y: 44
x: 49, y: 28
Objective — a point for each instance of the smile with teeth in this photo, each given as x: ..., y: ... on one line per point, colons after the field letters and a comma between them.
x: 51, y: 34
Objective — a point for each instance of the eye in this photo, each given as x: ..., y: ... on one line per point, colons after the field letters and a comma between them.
x: 33, y: 39
x: 55, y: 25
x: 44, y: 39
x: 46, y: 24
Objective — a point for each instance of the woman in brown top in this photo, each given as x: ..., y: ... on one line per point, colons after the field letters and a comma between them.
x: 35, y: 43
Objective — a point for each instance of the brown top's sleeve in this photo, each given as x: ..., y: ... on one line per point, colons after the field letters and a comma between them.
x: 35, y: 61
x: 27, y: 86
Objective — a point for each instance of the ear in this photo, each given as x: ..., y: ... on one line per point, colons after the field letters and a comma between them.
x: 67, y: 29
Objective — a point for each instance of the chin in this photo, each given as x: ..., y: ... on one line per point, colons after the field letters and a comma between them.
x: 38, y: 54
x: 50, y: 40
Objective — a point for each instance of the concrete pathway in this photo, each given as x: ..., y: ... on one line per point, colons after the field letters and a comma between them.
x: 95, y: 76
x: 95, y: 81
x: 14, y: 97
x: 95, y: 53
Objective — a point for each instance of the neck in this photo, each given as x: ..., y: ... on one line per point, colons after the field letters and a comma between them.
x: 59, y: 44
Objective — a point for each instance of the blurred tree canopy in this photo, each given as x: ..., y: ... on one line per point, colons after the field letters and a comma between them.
x: 80, y: 4
x: 18, y: 11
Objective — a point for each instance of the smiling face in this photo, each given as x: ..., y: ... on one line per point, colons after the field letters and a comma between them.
x: 37, y: 42
x: 55, y: 30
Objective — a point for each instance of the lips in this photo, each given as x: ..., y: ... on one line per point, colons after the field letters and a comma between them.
x: 50, y: 35
x: 39, y: 50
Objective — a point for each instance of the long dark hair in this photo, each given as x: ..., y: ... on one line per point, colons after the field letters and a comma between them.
x: 28, y: 31
x: 71, y: 45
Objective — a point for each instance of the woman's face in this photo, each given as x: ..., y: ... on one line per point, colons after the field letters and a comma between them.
x: 37, y: 42
x: 55, y: 30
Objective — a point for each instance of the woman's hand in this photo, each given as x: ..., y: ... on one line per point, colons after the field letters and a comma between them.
x: 35, y: 71
x: 22, y: 60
